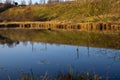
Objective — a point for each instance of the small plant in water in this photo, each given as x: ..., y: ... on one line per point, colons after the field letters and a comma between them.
x: 31, y: 76
x: 77, y: 76
x: 60, y: 76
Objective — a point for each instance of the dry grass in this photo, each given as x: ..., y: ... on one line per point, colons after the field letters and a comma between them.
x: 74, y: 11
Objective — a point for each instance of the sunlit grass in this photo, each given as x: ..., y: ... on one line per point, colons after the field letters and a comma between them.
x: 97, y: 10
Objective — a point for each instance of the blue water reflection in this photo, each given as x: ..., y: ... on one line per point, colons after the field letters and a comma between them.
x: 42, y: 57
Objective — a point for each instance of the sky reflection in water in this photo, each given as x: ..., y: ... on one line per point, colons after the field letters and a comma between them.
x: 41, y: 57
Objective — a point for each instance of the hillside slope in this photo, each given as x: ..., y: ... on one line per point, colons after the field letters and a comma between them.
x: 95, y: 10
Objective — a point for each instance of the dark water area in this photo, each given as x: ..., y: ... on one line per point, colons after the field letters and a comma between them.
x: 52, y: 58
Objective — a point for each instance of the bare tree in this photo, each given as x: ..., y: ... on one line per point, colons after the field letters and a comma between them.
x: 49, y: 1
x: 53, y: 1
x: 8, y: 2
x: 0, y: 1
x: 23, y: 2
x: 30, y: 2
x: 36, y: 3
x: 42, y: 2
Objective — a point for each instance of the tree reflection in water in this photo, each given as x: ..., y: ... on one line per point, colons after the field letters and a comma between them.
x: 6, y: 41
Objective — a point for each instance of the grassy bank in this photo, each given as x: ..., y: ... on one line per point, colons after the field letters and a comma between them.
x: 107, y: 40
x: 81, y: 11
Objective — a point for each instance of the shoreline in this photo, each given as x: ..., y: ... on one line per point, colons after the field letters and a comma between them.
x: 87, y: 26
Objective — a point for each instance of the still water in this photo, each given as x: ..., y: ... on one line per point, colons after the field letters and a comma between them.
x: 52, y: 58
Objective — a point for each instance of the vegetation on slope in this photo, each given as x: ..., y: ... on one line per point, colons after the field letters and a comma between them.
x: 95, y: 10
x: 6, y: 6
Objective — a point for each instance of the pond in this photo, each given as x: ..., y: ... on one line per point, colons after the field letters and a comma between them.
x: 40, y: 58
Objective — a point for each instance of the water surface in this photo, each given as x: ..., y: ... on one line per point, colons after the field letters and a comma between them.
x: 52, y: 58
